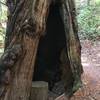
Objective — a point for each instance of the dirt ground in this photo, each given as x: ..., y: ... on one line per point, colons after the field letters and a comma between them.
x: 91, y: 76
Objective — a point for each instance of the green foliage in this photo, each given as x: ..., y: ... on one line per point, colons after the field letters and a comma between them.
x: 2, y: 32
x: 89, y: 21
x: 3, y: 19
x: 3, y: 12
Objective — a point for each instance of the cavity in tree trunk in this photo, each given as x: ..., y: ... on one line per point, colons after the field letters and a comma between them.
x: 28, y: 20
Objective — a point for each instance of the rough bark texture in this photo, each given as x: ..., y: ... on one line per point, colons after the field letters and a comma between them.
x: 26, y: 24
x: 73, y: 45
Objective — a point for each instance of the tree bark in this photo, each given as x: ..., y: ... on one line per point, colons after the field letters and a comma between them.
x: 73, y: 52
x: 26, y: 24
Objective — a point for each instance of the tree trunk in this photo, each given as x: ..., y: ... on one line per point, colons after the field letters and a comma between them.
x: 26, y: 24
x: 73, y: 53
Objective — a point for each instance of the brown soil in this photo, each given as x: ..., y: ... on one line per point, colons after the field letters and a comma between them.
x: 91, y: 76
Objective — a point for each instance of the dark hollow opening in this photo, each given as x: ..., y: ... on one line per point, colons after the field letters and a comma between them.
x: 47, y: 66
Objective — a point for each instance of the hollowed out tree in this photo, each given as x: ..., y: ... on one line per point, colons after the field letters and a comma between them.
x: 41, y: 43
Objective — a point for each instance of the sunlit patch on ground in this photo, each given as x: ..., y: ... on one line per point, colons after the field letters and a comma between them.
x: 85, y: 64
x: 84, y: 59
x: 98, y: 55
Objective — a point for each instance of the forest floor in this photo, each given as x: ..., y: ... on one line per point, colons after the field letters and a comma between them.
x: 91, y: 75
